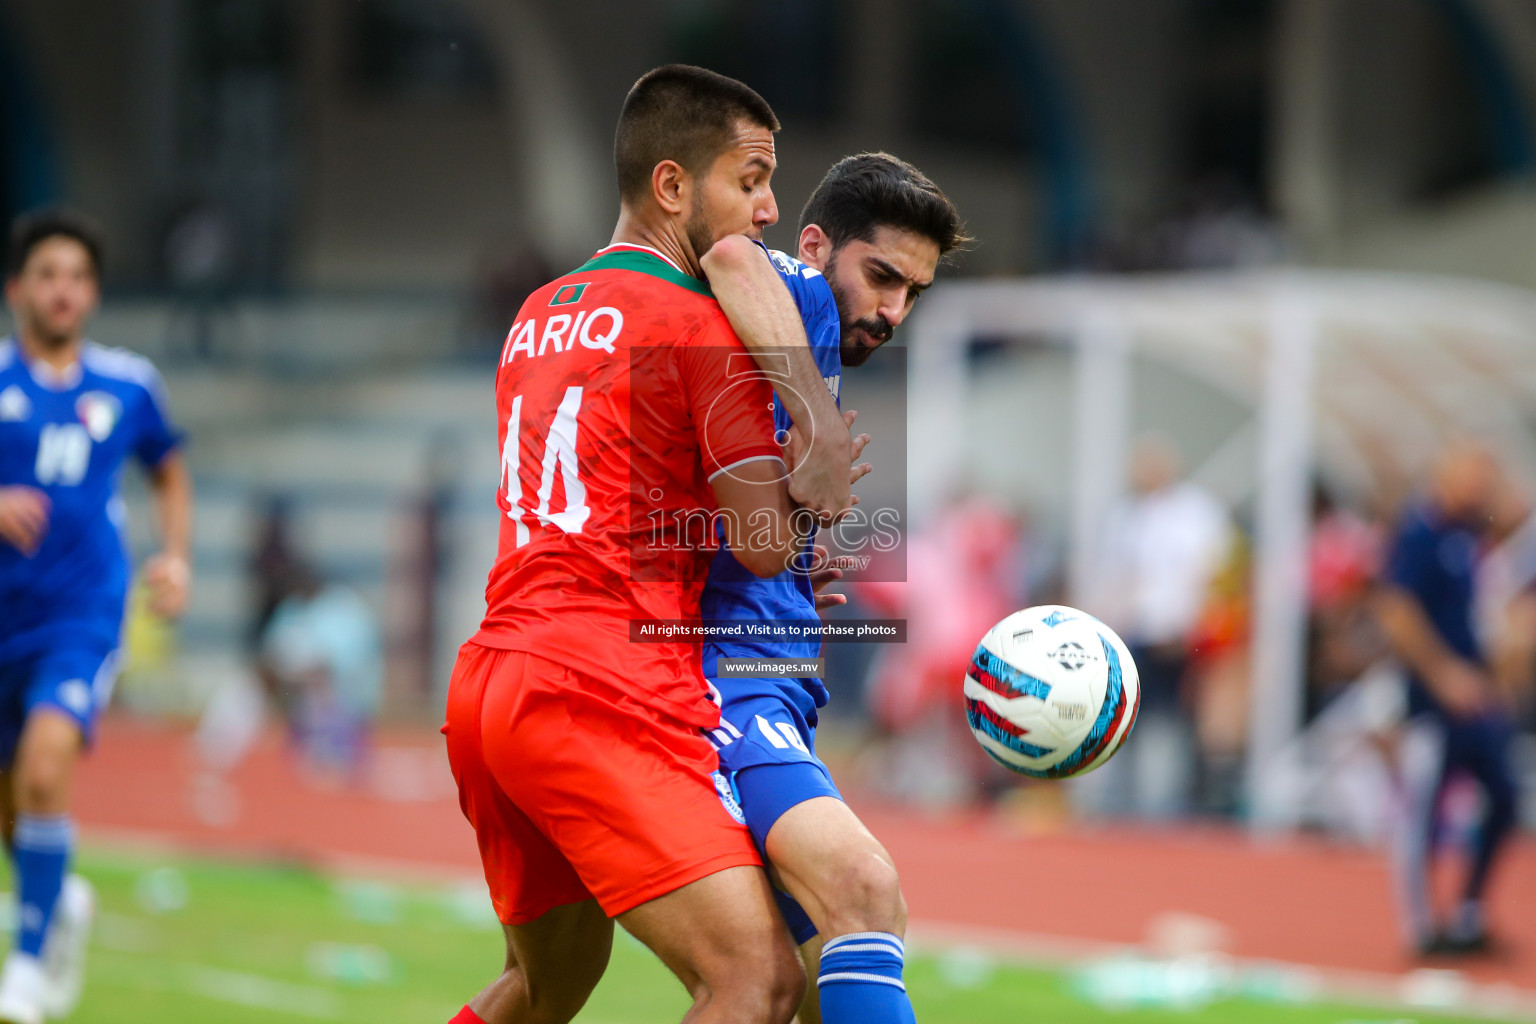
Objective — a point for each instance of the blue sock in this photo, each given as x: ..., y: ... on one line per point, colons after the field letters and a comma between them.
x: 40, y: 850
x: 860, y: 980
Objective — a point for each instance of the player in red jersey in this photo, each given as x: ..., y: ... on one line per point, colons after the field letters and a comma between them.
x: 633, y: 420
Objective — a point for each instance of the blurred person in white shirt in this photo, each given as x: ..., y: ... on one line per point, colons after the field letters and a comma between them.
x: 322, y: 659
x: 1163, y: 545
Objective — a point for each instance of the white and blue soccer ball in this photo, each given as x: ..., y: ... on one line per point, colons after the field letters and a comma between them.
x: 1051, y: 692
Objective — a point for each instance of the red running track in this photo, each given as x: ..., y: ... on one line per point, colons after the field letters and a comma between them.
x: 1301, y: 900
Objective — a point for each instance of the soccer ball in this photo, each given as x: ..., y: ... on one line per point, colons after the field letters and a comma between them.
x: 1051, y: 692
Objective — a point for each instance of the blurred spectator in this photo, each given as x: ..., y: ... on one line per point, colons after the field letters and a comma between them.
x: 1163, y: 548
x: 1506, y: 598
x: 321, y: 659
x: 1343, y: 641
x: 1217, y: 680
x: 200, y: 258
x: 1216, y: 224
x: 1459, y: 725
x: 1220, y: 226
x: 272, y: 565
x: 964, y: 574
x: 503, y: 281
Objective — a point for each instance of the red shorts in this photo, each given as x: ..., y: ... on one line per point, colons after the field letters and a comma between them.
x: 577, y: 791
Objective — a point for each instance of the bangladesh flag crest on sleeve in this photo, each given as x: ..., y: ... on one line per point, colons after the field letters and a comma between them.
x: 568, y: 293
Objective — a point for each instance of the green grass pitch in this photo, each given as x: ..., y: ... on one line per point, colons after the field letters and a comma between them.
x: 221, y: 943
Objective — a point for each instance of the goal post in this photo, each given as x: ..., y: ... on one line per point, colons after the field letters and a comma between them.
x: 1340, y: 369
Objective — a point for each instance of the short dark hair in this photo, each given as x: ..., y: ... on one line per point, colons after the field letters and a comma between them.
x: 683, y: 113
x: 872, y: 190
x: 32, y: 229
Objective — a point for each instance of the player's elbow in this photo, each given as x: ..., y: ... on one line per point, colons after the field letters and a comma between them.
x: 769, y: 548
x: 761, y: 525
x: 764, y: 562
x: 730, y: 256
x: 1392, y: 608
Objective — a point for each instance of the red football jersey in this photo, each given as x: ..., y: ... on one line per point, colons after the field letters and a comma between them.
x: 621, y: 391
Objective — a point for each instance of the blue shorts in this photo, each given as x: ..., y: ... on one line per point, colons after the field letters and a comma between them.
x: 768, y: 752
x: 74, y: 680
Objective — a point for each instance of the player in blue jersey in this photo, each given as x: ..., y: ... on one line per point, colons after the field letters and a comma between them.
x: 871, y: 237
x: 71, y: 413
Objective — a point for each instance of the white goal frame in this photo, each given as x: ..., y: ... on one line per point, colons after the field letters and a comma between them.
x: 1325, y: 358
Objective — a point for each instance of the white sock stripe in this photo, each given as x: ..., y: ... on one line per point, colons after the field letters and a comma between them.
x: 44, y: 833
x: 864, y: 947
x: 859, y: 976
x: 31, y: 845
x: 865, y: 937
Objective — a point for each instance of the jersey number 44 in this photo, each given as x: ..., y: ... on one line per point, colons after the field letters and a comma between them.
x: 559, y: 455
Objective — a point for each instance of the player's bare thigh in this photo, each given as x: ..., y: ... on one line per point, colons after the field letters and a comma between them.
x: 832, y: 865
x: 724, y: 939
x: 720, y: 935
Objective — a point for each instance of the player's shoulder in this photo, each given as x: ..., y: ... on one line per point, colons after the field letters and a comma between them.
x: 121, y: 365
x: 804, y: 281
x: 8, y: 354
x: 1418, y: 531
x: 790, y: 266
x: 796, y: 272
x: 1420, y: 521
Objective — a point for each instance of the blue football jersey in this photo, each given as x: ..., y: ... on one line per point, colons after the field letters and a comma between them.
x: 68, y: 436
x: 732, y: 592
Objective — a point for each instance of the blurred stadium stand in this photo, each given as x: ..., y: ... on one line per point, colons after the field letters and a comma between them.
x: 356, y: 457
x: 322, y: 214
x: 392, y: 143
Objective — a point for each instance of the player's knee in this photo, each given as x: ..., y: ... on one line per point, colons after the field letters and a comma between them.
x: 550, y: 1003
x: 558, y: 1010
x: 783, y: 989
x: 865, y: 896
x: 787, y: 993
x: 42, y: 782
x: 765, y: 987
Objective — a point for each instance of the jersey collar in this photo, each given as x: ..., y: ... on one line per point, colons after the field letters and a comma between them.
x: 46, y: 376
x: 635, y: 247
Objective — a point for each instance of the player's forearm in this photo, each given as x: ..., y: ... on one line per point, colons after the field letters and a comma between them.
x: 171, y: 484
x: 1411, y: 635
x: 764, y: 317
x: 763, y: 528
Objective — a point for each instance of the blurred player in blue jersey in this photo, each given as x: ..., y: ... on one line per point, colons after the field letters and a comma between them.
x: 71, y: 413
x: 1459, y: 721
x: 871, y: 236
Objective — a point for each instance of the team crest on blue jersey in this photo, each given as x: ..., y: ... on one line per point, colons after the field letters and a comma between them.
x: 76, y: 696
x: 728, y: 798
x: 99, y: 412
x: 15, y: 406
x: 788, y: 264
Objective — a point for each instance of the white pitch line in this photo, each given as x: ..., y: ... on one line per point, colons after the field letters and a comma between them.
x: 260, y: 993
x: 1367, y: 988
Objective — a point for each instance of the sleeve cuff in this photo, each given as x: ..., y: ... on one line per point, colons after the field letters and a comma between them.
x: 742, y: 456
